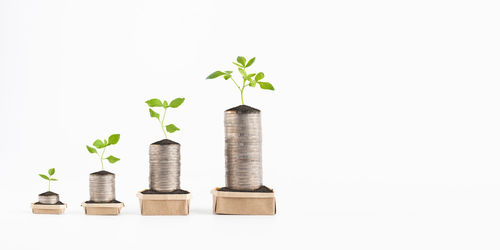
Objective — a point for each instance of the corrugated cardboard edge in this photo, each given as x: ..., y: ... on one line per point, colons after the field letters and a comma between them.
x: 142, y: 196
x: 46, y: 206
x: 48, y: 209
x: 154, y: 201
x: 241, y: 195
x: 115, y: 205
x: 102, y: 208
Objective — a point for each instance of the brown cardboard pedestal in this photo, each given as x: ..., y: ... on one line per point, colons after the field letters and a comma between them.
x: 102, y: 208
x: 48, y: 208
x: 244, y: 203
x: 164, y: 204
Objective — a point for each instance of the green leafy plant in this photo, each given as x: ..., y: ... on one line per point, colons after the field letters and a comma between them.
x: 99, y: 144
x: 170, y: 128
x: 51, y: 172
x: 251, y: 79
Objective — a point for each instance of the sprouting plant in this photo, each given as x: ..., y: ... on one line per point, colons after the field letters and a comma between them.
x: 51, y: 172
x: 248, y: 79
x: 112, y: 140
x: 170, y: 128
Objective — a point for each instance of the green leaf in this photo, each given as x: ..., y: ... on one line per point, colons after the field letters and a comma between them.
x: 266, y: 85
x: 251, y: 75
x: 113, y: 139
x: 243, y: 73
x: 215, y: 74
x: 259, y: 76
x: 239, y: 65
x: 165, y: 104
x: 228, y: 72
x: 44, y: 176
x: 172, y: 128
x: 154, y: 103
x: 241, y: 60
x: 91, y: 150
x: 99, y: 144
x: 52, y: 171
x: 106, y: 143
x: 227, y: 77
x: 252, y: 83
x: 154, y: 114
x: 250, y: 62
x: 53, y: 179
x: 112, y: 159
x: 176, y: 102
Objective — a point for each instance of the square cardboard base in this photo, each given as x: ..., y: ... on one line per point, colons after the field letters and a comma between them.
x: 243, y: 203
x: 48, y: 209
x: 164, y: 204
x: 102, y: 208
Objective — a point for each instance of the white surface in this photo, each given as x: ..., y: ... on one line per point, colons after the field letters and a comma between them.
x: 384, y: 121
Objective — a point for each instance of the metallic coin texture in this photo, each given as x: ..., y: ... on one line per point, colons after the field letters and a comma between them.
x: 164, y: 165
x: 243, y: 148
x: 102, y: 186
x: 48, y: 199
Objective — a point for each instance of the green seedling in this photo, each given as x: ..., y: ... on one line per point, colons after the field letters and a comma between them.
x: 98, y: 144
x: 51, y: 172
x: 170, y: 128
x: 248, y: 79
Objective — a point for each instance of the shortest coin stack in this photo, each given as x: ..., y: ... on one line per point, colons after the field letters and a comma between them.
x: 48, y: 198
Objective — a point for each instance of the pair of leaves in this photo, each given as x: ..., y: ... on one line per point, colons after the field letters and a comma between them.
x: 112, y: 140
x: 51, y: 172
x: 158, y: 103
x: 110, y: 158
x: 242, y: 62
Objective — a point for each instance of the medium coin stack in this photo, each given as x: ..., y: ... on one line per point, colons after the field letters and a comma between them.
x: 164, y: 165
x: 48, y: 198
x: 243, y: 148
x: 102, y: 186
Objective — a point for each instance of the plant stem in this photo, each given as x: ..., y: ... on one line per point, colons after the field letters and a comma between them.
x: 161, y: 124
x: 241, y: 90
x: 102, y: 155
x: 49, y: 184
x: 242, y: 103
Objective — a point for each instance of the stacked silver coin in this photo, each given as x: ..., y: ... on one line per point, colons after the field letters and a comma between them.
x: 48, y: 199
x: 102, y: 186
x: 164, y: 166
x: 243, y: 148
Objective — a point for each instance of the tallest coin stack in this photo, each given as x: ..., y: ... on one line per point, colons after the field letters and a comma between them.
x: 244, y: 192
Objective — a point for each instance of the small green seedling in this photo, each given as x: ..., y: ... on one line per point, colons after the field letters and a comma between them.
x: 248, y: 79
x: 98, y: 144
x: 51, y: 172
x: 170, y: 128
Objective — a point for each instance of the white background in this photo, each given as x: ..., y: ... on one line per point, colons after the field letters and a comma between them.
x: 383, y: 131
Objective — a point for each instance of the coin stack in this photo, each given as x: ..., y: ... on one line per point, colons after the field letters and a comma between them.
x: 243, y: 148
x: 48, y: 198
x: 102, y: 186
x: 164, y: 166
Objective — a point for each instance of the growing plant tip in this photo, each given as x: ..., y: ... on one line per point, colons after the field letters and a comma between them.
x: 98, y: 144
x: 251, y: 79
x: 153, y: 103
x: 51, y: 172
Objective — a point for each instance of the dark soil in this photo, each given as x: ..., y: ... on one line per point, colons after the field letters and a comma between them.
x: 58, y: 203
x: 102, y: 172
x: 93, y: 202
x: 244, y: 109
x: 261, y: 189
x: 177, y: 191
x: 165, y: 142
x: 48, y: 193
